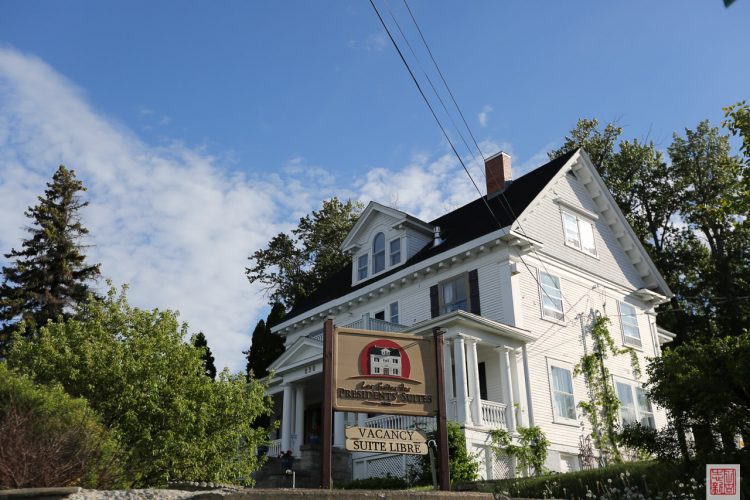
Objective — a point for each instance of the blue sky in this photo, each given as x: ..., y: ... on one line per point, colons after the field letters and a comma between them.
x: 202, y: 128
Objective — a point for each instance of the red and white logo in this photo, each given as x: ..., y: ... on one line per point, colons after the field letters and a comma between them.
x: 384, y: 358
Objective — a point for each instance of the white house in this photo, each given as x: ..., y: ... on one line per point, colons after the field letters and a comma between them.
x: 514, y: 278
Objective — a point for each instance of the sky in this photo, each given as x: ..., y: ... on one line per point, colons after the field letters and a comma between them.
x: 201, y: 128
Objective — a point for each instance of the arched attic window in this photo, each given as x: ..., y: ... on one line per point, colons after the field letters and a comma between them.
x: 378, y: 253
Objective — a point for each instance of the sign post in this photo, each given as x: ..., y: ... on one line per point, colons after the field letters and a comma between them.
x: 442, y: 422
x: 325, y: 480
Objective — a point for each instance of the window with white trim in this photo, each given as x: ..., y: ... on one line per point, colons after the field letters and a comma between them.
x: 634, y: 405
x: 393, y: 309
x: 395, y: 251
x: 362, y: 267
x: 378, y: 253
x: 579, y: 233
x: 552, y: 306
x: 561, y: 389
x: 629, y: 321
x: 454, y: 295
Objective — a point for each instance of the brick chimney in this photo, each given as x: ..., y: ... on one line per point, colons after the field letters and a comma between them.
x: 497, y: 172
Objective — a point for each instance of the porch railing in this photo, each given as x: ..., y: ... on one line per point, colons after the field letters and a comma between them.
x: 493, y: 414
x: 401, y: 422
x: 274, y: 448
x: 376, y: 324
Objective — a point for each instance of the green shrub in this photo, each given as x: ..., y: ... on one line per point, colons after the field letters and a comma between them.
x: 463, y: 465
x: 48, y: 438
x: 378, y: 483
x: 531, y: 450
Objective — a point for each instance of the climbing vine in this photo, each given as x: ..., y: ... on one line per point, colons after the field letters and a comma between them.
x: 603, y: 406
x: 531, y: 450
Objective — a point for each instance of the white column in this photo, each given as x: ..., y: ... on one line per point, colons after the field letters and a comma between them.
x: 506, y: 379
x: 339, y: 429
x: 527, y: 383
x: 472, y: 367
x: 450, y: 394
x: 462, y: 400
x: 519, y: 388
x: 286, y: 419
x: 299, y: 418
x: 361, y: 417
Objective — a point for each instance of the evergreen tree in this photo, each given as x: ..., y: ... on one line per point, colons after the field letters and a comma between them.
x: 49, y: 275
x: 266, y: 346
x: 200, y: 343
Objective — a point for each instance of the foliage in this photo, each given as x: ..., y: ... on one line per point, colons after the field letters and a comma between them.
x: 531, y: 450
x: 265, y: 346
x: 738, y: 122
x: 463, y: 465
x: 48, y: 438
x: 603, y: 405
x: 200, y: 343
x: 627, y: 480
x: 49, y: 275
x: 378, y: 483
x: 706, y: 381
x: 149, y: 387
x: 293, y: 266
x: 662, y: 444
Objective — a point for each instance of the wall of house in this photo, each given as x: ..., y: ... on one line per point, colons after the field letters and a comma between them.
x: 544, y: 223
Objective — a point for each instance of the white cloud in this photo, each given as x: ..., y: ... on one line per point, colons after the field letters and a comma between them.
x: 174, y: 221
x: 484, y: 115
x: 373, y: 43
x: 167, y: 220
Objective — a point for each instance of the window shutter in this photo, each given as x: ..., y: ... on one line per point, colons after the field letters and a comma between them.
x: 474, y: 292
x: 434, y: 302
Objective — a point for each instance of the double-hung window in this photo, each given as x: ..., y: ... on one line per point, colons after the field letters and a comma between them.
x: 378, y: 253
x: 552, y: 306
x: 634, y: 405
x: 453, y: 295
x: 362, y: 267
x: 579, y: 233
x: 629, y: 322
x: 561, y: 386
x: 393, y: 309
x: 395, y: 251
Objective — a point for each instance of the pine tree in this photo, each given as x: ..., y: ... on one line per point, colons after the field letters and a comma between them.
x: 200, y: 343
x: 49, y: 275
x: 265, y: 346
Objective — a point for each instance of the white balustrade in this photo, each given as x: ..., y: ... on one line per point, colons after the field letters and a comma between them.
x: 274, y: 448
x: 401, y: 422
x: 493, y: 414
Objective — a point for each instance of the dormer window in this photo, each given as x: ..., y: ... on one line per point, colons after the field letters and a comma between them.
x: 395, y: 249
x: 378, y: 253
x: 362, y: 267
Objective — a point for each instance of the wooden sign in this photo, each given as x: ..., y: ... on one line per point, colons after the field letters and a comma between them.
x: 379, y: 372
x: 373, y: 439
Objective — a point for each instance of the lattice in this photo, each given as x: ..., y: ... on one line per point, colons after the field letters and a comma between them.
x: 381, y: 467
x: 502, y: 467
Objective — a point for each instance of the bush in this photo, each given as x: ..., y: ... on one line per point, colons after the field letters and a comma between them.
x: 48, y: 438
x: 148, y: 384
x: 651, y: 443
x: 623, y: 480
x: 463, y: 465
x: 378, y: 483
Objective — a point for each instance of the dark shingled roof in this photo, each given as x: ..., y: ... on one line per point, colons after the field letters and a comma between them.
x: 457, y: 227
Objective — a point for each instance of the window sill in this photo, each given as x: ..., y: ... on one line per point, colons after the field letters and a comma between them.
x: 554, y: 320
x: 592, y: 255
x: 565, y: 421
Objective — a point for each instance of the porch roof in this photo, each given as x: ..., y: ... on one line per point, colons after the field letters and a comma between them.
x: 466, y: 319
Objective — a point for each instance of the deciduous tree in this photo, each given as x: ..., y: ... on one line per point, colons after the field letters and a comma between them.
x: 293, y: 265
x: 149, y: 387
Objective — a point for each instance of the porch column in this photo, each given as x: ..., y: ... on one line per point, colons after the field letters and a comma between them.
x: 286, y: 419
x: 473, y: 368
x: 519, y: 388
x: 299, y: 418
x: 506, y: 379
x: 339, y: 429
x: 361, y: 417
x: 462, y: 400
x: 448, y: 375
